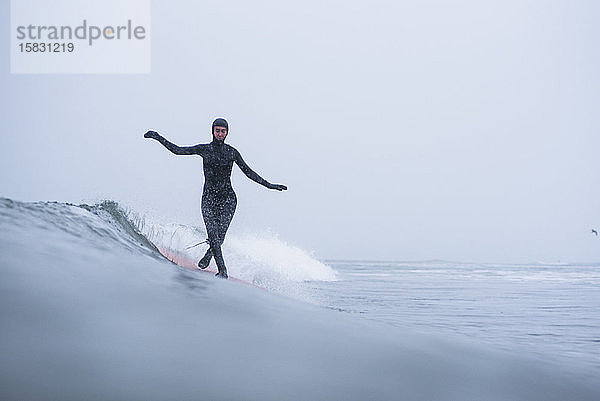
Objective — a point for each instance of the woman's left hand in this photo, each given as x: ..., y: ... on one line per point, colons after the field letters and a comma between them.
x: 279, y: 187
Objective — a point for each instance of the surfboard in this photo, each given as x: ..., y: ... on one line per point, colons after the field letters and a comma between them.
x: 184, y: 261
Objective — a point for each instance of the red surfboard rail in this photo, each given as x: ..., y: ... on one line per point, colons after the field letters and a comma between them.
x: 184, y: 261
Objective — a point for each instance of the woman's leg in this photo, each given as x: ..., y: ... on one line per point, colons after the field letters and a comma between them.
x: 224, y: 218
x: 205, y: 261
x: 217, y: 217
x: 209, y: 216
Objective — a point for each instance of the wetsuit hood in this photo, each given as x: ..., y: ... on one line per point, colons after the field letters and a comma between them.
x: 219, y: 122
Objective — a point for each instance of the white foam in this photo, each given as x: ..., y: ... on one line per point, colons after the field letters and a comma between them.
x: 262, y: 259
x: 265, y: 257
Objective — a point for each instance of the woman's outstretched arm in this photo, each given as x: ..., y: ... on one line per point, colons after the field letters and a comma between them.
x: 254, y: 176
x: 178, y: 150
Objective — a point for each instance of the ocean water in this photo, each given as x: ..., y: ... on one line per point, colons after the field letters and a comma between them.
x: 90, y: 309
x: 550, y: 312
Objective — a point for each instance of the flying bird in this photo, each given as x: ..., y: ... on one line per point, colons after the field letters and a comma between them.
x: 594, y: 232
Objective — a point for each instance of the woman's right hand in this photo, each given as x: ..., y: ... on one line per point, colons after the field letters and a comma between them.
x: 151, y: 134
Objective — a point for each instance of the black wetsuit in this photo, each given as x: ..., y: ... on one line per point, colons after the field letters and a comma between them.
x: 218, y: 198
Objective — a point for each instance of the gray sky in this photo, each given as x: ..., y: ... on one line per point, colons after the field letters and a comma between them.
x: 460, y: 130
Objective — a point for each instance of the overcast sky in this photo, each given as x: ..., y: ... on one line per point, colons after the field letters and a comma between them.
x: 457, y: 130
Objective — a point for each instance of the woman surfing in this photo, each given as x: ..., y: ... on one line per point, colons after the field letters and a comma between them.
x: 218, y: 198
